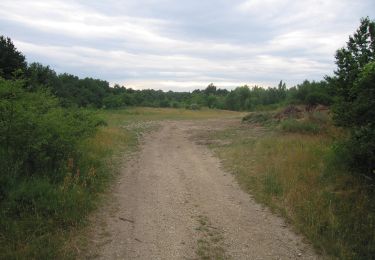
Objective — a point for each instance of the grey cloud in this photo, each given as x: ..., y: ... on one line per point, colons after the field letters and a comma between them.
x: 183, y: 45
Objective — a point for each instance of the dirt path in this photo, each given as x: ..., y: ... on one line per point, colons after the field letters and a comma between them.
x: 175, y: 202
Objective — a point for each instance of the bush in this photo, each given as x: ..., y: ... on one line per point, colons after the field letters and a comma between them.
x: 358, y: 151
x: 318, y: 98
x: 37, y: 136
x: 46, y: 178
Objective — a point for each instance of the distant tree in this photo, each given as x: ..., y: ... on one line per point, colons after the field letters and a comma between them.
x: 238, y: 99
x: 281, y: 88
x: 210, y: 90
x: 12, y: 61
x: 38, y: 75
x: 311, y: 93
x: 211, y: 101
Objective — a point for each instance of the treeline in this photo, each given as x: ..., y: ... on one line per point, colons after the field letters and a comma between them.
x: 72, y: 91
x: 88, y: 92
x: 96, y: 93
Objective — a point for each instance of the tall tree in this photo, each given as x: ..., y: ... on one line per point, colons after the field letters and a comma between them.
x: 11, y: 60
x: 355, y: 90
x: 350, y: 60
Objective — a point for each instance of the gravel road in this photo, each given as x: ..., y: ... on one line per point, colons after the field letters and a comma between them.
x: 174, y: 201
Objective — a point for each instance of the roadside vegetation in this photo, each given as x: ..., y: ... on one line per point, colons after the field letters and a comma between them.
x: 291, y: 165
x: 311, y: 159
x: 306, y: 151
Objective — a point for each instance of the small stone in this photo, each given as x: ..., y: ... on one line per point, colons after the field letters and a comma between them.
x: 299, y: 254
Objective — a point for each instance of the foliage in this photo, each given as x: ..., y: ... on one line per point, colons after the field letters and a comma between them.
x: 12, y: 62
x: 85, y: 92
x: 36, y: 135
x: 38, y: 76
x: 354, y: 86
x: 311, y: 93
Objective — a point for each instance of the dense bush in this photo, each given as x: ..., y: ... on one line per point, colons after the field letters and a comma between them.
x: 45, y: 175
x: 37, y: 136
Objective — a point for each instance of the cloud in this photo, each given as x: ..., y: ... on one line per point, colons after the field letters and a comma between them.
x: 182, y: 46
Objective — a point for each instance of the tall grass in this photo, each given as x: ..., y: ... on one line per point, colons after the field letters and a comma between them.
x: 297, y: 175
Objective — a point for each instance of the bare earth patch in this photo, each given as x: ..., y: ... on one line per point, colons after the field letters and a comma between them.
x: 173, y: 200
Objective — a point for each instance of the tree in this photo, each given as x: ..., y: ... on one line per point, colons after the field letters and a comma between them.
x: 354, y: 85
x: 351, y: 60
x: 210, y: 90
x: 11, y: 60
x: 281, y: 91
x: 38, y: 76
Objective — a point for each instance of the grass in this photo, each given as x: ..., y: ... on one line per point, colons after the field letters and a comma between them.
x: 118, y: 117
x: 296, y: 174
x: 210, y: 244
x: 43, y: 219
x: 295, y: 126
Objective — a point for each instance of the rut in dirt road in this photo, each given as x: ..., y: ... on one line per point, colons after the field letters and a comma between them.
x: 175, y: 202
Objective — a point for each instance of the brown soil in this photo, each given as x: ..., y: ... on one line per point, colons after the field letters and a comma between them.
x: 174, y: 201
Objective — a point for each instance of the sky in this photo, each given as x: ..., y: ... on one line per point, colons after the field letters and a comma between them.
x: 184, y: 45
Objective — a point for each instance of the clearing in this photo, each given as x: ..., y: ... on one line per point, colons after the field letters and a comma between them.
x: 173, y: 200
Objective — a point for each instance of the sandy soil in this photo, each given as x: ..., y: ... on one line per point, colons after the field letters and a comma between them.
x: 174, y: 201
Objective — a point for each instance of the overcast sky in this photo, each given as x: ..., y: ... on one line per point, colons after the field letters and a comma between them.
x: 183, y: 45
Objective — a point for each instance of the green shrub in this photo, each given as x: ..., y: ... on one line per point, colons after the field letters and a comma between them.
x: 36, y: 135
x: 357, y: 152
x: 46, y: 177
